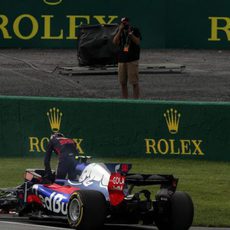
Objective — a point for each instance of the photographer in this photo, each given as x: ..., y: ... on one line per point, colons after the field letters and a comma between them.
x: 128, y: 39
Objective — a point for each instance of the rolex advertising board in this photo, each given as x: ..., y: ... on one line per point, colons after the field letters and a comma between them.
x: 163, y: 23
x: 55, y: 23
x: 116, y: 127
x: 198, y: 24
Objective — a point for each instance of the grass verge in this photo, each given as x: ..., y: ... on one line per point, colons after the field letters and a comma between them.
x: 208, y: 183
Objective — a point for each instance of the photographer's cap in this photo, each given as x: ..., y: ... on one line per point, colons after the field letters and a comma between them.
x: 124, y: 20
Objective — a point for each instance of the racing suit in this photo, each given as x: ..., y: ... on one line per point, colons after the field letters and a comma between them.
x: 66, y: 150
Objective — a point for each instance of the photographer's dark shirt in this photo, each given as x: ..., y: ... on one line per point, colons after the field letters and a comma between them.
x: 133, y: 53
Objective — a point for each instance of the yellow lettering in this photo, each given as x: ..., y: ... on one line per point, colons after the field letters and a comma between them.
x: 150, y: 144
x: 34, y: 144
x: 42, y: 144
x: 197, y: 150
x: 3, y: 27
x: 101, y: 19
x: 26, y: 26
x: 165, y: 146
x: 185, y: 147
x: 74, y: 24
x: 215, y: 28
x: 16, y: 26
x: 78, y: 143
x: 172, y: 147
x: 47, y: 28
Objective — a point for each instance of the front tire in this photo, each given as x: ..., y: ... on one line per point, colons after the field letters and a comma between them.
x: 86, y: 210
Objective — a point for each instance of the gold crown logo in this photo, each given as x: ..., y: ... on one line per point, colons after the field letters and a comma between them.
x: 172, y: 118
x: 52, y: 2
x: 54, y: 116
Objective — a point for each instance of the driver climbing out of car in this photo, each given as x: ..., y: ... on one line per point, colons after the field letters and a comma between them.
x: 66, y: 150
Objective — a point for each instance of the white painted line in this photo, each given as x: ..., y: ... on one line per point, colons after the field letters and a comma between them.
x: 33, y: 225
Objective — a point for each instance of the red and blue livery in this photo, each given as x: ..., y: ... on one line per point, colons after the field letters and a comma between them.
x: 101, y: 193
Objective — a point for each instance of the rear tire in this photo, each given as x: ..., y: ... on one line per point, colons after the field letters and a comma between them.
x: 180, y: 214
x: 87, y: 210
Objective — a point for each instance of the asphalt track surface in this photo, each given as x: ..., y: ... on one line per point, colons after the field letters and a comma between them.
x: 8, y: 222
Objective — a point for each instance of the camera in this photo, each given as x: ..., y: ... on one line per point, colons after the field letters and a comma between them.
x: 126, y: 26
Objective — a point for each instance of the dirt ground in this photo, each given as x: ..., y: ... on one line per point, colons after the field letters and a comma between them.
x: 31, y: 72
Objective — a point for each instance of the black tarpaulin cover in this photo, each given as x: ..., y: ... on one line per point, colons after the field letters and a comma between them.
x: 95, y: 46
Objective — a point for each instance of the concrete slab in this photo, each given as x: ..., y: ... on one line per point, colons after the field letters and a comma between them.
x: 112, y: 70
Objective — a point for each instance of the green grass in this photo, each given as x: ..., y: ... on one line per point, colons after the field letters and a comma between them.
x: 208, y: 183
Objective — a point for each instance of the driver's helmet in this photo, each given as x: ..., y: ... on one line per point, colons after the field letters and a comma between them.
x: 56, y: 135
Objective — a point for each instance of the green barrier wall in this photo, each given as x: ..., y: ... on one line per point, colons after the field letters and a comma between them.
x: 163, y: 23
x: 117, y: 127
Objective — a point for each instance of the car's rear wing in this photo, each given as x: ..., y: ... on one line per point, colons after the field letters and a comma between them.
x: 152, y: 179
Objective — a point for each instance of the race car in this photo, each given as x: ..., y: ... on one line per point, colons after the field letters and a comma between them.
x: 102, y: 193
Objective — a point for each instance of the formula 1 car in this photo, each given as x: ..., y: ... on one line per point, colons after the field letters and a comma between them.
x: 102, y: 193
